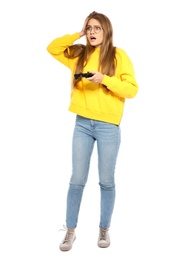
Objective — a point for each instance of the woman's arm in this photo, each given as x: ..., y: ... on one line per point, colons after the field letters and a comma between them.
x: 57, y: 47
x: 123, y: 83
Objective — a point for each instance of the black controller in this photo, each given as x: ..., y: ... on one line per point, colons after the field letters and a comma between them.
x: 85, y: 75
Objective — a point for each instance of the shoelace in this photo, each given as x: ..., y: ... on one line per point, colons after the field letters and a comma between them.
x: 63, y: 229
x: 103, y: 234
x: 68, y: 235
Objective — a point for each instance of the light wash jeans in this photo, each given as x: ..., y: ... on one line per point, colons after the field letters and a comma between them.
x: 107, y: 136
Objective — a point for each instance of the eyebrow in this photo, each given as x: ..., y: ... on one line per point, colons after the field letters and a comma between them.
x: 94, y: 25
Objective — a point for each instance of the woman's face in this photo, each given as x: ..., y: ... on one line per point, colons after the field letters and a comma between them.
x: 94, y: 32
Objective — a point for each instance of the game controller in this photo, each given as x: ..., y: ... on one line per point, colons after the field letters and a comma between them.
x: 85, y: 75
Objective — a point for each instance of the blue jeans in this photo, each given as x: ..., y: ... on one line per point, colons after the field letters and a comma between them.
x: 107, y: 136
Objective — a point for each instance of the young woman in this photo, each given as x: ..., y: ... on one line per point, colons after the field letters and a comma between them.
x: 102, y: 78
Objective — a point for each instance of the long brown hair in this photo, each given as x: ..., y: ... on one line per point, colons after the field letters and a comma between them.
x: 107, y: 60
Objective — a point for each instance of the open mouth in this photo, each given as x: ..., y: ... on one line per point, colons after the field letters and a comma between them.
x: 92, y: 38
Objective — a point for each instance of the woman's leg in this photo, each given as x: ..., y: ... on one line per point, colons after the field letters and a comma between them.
x: 82, y: 147
x: 108, y: 142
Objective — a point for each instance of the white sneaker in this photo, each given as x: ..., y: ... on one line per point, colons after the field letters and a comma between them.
x: 68, y: 241
x: 104, y: 238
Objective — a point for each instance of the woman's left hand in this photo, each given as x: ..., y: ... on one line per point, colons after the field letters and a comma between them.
x: 97, y: 77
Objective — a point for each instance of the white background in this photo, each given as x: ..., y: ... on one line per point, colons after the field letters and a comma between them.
x: 36, y: 131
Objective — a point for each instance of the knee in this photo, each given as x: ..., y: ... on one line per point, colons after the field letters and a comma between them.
x: 107, y: 186
x: 77, y: 181
x: 76, y: 186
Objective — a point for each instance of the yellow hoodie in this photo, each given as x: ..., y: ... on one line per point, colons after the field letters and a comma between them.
x: 89, y: 99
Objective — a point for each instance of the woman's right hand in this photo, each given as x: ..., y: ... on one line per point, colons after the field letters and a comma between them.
x: 82, y: 32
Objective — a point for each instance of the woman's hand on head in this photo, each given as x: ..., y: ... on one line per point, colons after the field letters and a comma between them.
x: 82, y: 32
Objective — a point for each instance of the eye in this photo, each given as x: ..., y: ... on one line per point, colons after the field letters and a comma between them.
x: 88, y: 29
x: 97, y: 28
